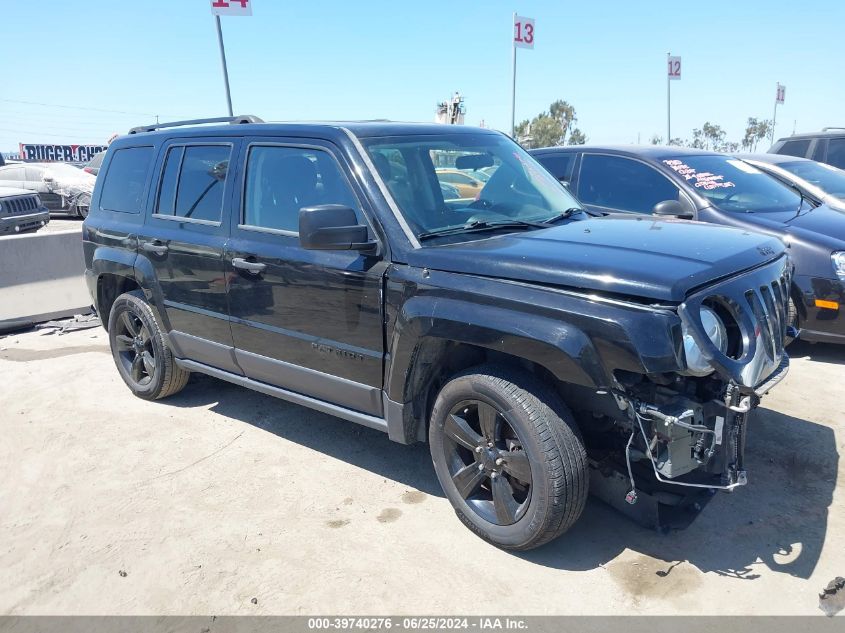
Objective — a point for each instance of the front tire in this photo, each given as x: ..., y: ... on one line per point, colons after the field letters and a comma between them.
x: 140, y: 349
x: 509, y: 457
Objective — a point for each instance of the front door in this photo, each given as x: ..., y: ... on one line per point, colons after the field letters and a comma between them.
x: 307, y: 321
x: 183, y: 240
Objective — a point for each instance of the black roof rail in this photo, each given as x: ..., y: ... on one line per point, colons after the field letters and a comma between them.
x: 833, y: 127
x: 234, y: 120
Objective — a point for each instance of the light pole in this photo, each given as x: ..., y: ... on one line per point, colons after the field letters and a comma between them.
x: 223, y: 61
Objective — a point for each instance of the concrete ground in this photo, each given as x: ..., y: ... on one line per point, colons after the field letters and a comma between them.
x: 224, y: 501
x: 61, y: 223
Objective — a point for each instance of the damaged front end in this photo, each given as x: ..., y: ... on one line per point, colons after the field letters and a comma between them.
x: 684, y: 432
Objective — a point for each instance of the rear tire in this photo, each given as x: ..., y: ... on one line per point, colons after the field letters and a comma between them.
x: 141, y: 351
x: 509, y: 457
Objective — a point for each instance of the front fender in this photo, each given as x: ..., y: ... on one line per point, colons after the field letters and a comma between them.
x: 561, y: 348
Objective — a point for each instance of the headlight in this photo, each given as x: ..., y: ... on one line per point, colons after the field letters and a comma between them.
x: 715, y: 329
x: 838, y: 259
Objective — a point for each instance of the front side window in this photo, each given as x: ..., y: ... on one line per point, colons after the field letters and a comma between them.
x: 282, y: 180
x: 519, y: 189
x: 123, y: 189
x: 559, y: 164
x: 734, y: 185
x: 623, y: 184
x: 795, y: 148
x: 193, y: 181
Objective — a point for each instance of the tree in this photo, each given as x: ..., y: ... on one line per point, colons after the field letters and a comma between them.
x: 577, y: 137
x: 755, y: 131
x: 714, y: 136
x: 656, y: 139
x: 555, y: 127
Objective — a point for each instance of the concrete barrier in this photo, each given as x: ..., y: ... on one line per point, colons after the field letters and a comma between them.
x: 41, y: 277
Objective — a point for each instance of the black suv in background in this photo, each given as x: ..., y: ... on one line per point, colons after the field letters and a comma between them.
x: 827, y: 146
x: 540, y: 351
x: 720, y: 189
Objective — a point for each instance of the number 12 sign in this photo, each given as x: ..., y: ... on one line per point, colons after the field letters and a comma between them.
x: 674, y: 67
x: 523, y: 32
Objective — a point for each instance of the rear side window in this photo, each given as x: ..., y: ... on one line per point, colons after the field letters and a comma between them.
x: 795, y: 148
x: 836, y: 152
x: 123, y: 189
x: 622, y: 184
x: 193, y: 181
x: 282, y: 180
x: 559, y: 164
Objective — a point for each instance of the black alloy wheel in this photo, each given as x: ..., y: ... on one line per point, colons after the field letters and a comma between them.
x: 487, y: 462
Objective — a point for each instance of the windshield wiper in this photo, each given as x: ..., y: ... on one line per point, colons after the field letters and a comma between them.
x: 483, y: 225
x: 563, y: 215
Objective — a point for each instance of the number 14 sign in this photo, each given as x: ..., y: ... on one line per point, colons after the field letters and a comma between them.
x: 523, y: 32
x: 231, y: 7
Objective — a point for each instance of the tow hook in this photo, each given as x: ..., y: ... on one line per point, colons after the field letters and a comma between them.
x: 744, y: 405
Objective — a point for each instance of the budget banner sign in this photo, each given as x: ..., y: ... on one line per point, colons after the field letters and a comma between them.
x: 523, y: 32
x: 780, y: 95
x: 48, y: 152
x: 674, y: 68
x: 231, y: 7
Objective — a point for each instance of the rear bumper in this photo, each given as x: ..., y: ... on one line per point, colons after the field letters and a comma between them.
x: 24, y: 222
x: 821, y: 324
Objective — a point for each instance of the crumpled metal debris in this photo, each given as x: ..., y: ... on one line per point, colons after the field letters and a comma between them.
x: 63, y: 326
x: 832, y: 599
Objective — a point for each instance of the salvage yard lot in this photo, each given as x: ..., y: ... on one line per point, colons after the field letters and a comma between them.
x: 200, y: 503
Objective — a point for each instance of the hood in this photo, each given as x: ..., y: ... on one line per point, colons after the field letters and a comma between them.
x: 659, y: 259
x: 14, y: 191
x: 822, y: 224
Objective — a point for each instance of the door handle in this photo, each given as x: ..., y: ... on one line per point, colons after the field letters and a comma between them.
x: 253, y: 267
x: 155, y: 247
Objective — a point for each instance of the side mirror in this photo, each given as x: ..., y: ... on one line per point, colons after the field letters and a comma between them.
x: 332, y: 227
x: 672, y: 208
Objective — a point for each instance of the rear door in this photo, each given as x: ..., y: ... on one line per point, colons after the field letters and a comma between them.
x: 307, y: 321
x: 183, y: 240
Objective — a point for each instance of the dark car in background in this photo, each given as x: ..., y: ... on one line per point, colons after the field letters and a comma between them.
x: 827, y: 146
x: 820, y: 182
x: 21, y: 211
x: 63, y: 188
x: 722, y: 189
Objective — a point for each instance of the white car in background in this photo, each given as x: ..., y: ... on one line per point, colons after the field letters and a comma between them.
x: 61, y: 187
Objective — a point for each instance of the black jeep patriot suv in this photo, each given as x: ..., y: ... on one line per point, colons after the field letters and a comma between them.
x: 540, y: 351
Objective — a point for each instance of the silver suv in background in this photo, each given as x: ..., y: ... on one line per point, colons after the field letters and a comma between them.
x: 827, y: 146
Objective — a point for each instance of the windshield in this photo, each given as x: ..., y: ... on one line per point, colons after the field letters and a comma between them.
x: 826, y: 177
x: 415, y: 167
x: 734, y: 185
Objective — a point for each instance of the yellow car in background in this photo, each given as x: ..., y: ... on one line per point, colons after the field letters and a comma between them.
x: 467, y: 186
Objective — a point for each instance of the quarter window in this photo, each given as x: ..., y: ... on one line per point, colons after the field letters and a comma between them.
x: 282, y: 180
x: 620, y: 183
x: 123, y: 189
x: 193, y: 181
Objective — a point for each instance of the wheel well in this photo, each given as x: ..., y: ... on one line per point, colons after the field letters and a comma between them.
x: 435, y: 361
x: 109, y: 288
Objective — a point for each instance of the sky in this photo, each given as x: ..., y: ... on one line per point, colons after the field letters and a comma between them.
x: 77, y: 72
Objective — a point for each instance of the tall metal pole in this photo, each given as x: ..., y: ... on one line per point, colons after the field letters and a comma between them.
x: 223, y: 60
x: 513, y: 84
x: 775, y: 115
x: 668, y: 102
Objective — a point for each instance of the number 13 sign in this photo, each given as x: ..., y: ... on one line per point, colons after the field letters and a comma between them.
x: 231, y: 7
x: 523, y: 32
